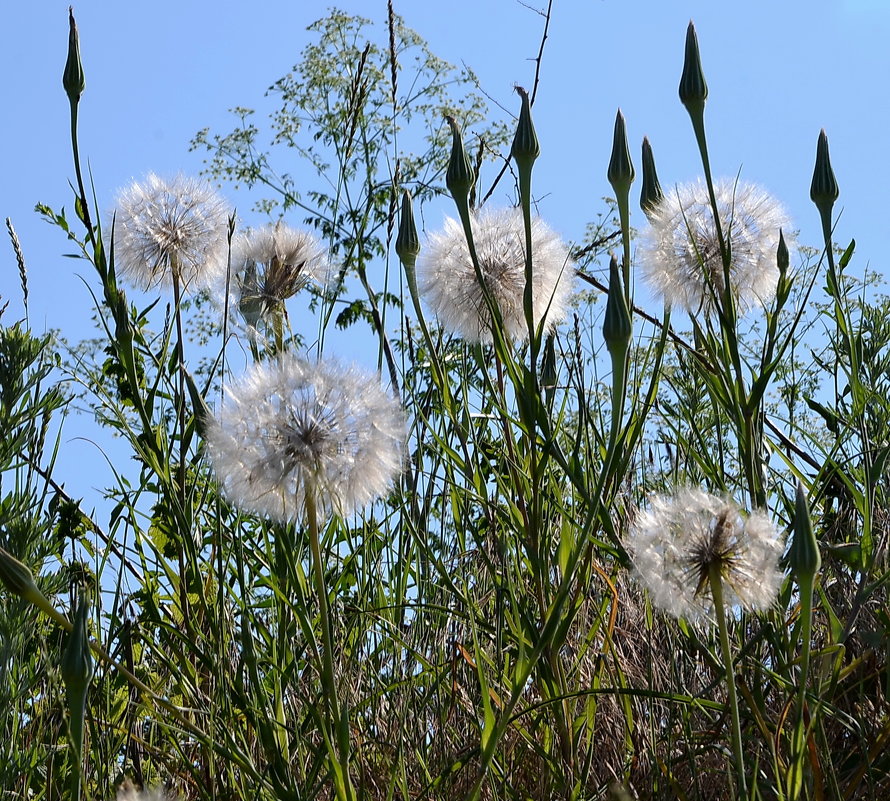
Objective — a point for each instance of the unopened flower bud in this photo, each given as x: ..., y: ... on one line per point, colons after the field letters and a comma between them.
x: 16, y: 577
x: 693, y: 87
x: 824, y: 189
x: 407, y: 241
x: 525, y: 142
x: 73, y: 79
x: 803, y: 555
x: 617, y: 322
x: 621, y: 169
x: 77, y: 660
x: 651, y: 194
x: 460, y: 176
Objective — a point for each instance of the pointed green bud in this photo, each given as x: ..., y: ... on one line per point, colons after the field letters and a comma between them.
x: 407, y: 242
x: 17, y: 578
x: 617, y: 322
x: 782, y: 255
x: 621, y: 168
x: 525, y: 143
x: 651, y: 194
x: 73, y: 79
x: 460, y: 176
x: 803, y: 555
x: 693, y: 87
x: 77, y: 660
x: 824, y: 189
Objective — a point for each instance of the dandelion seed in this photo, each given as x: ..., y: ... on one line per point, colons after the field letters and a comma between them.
x: 675, y: 543
x: 448, y: 281
x: 271, y: 265
x: 170, y: 230
x: 680, y: 251
x: 289, y: 430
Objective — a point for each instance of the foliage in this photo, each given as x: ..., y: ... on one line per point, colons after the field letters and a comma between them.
x: 476, y: 633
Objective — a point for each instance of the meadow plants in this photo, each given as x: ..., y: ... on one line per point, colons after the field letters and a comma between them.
x: 549, y: 548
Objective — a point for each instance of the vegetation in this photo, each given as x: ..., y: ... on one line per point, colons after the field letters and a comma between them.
x: 487, y: 628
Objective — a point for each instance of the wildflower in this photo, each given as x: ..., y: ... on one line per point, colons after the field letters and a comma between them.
x: 170, y: 232
x: 680, y: 252
x: 290, y: 431
x: 677, y: 541
x: 273, y: 264
x: 448, y: 280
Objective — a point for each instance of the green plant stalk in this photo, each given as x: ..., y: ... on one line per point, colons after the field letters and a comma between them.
x: 180, y: 418
x: 342, y: 784
x: 77, y: 709
x: 82, y: 195
x: 716, y: 583
x: 799, y: 736
x: 623, y: 200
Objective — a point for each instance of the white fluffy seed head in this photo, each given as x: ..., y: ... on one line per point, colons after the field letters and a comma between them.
x: 675, y: 541
x: 165, y: 229
x: 290, y: 428
x: 128, y: 792
x: 448, y: 282
x: 271, y: 265
x: 679, y: 252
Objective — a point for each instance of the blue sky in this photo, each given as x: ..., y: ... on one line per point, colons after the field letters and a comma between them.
x: 157, y: 73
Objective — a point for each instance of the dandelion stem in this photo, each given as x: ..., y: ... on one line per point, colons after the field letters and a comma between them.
x: 342, y: 784
x: 716, y: 582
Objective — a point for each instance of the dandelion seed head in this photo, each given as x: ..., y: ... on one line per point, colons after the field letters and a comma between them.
x: 272, y: 264
x: 448, y: 281
x: 166, y: 229
x: 129, y: 792
x: 674, y: 543
x: 680, y: 251
x: 289, y: 429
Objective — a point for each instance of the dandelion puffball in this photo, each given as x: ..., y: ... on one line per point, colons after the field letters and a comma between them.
x: 290, y: 431
x: 680, y: 254
x: 449, y: 284
x: 166, y: 231
x: 674, y: 543
x: 272, y: 264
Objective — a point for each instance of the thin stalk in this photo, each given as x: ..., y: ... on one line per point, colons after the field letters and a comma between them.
x: 180, y: 417
x: 717, y: 593
x: 342, y: 783
x: 84, y: 206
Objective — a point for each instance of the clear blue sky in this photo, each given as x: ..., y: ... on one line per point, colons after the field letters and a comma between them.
x: 778, y: 71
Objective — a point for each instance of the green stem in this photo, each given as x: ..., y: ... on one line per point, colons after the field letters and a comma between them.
x: 717, y: 594
x: 77, y: 705
x: 342, y: 783
x: 84, y: 207
x: 799, y: 739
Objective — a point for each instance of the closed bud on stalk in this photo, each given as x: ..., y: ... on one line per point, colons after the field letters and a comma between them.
x: 651, y: 194
x: 617, y: 322
x: 693, y: 87
x: 621, y: 169
x: 73, y: 78
x: 459, y: 178
x: 824, y: 189
x: 782, y: 255
x: 525, y: 142
x: 17, y: 578
x: 803, y: 555
x: 77, y: 660
x: 407, y: 241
